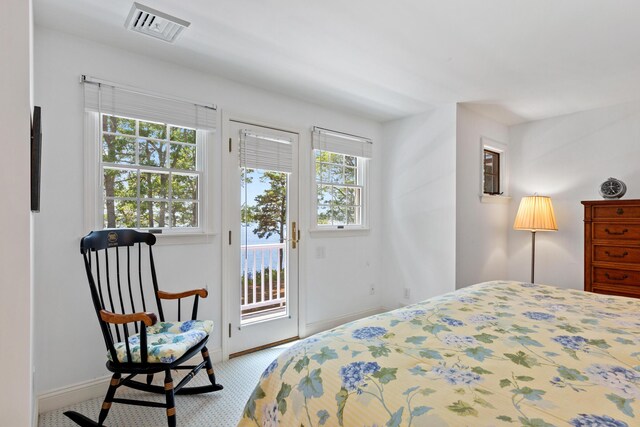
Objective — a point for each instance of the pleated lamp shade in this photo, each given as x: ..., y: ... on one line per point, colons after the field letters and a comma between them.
x: 535, y: 214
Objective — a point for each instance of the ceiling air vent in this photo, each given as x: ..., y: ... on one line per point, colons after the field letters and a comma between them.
x: 151, y: 22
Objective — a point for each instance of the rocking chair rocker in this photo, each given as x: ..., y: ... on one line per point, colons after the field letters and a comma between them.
x: 113, y: 259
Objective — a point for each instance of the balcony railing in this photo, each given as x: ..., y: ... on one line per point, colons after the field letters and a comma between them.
x: 263, y: 279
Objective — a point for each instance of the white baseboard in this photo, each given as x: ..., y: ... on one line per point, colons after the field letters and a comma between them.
x: 76, y: 393
x: 323, y: 325
x: 69, y: 395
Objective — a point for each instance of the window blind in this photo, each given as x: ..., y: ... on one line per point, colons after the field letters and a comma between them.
x: 261, y: 151
x: 125, y: 102
x: 342, y: 143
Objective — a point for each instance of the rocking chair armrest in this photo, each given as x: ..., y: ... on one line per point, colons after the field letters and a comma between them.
x: 202, y: 293
x: 148, y: 318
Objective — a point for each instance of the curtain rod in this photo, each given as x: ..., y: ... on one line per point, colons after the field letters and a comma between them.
x: 335, y: 132
x: 99, y: 82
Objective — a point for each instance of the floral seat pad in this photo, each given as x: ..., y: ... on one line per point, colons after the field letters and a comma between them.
x: 166, y: 341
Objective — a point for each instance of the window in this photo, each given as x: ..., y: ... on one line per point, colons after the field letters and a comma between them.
x: 339, y: 187
x: 491, y: 172
x: 340, y: 162
x: 146, y: 162
x: 494, y: 178
x: 151, y: 174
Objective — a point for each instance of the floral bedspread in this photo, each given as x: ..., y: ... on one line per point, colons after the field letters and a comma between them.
x: 492, y: 354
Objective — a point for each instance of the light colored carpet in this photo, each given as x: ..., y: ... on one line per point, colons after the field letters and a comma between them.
x: 218, y: 409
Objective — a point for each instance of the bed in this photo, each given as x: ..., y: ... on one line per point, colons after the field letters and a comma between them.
x: 492, y: 354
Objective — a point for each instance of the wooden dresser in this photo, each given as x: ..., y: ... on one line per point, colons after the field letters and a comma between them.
x: 612, y: 247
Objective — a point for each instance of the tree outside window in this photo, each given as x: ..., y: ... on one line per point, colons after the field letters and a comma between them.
x: 150, y: 174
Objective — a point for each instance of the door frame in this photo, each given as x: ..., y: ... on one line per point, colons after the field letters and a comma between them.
x: 226, y: 219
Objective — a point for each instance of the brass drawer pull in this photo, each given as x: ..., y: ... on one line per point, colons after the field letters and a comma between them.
x: 620, y: 211
x: 623, y: 277
x: 615, y: 233
x: 622, y: 255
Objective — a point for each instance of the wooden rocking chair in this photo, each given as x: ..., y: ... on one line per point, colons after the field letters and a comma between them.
x: 114, y: 260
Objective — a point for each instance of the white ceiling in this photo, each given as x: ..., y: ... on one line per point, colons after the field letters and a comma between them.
x: 515, y: 60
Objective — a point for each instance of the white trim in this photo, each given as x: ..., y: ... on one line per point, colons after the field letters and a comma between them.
x: 184, y: 238
x: 323, y: 325
x: 85, y: 390
x: 503, y: 150
x: 91, y: 170
x: 494, y: 198
x: 339, y: 232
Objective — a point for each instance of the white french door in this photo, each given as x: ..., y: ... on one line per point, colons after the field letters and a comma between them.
x: 261, y: 252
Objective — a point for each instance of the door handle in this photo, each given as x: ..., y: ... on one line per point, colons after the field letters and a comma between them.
x: 295, y: 235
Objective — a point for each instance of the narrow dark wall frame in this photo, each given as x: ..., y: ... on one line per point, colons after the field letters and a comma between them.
x: 36, y: 158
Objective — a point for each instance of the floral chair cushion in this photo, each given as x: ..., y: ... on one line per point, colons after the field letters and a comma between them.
x: 166, y: 341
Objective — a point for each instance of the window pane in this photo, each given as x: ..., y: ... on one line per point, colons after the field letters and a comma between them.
x: 351, y: 215
x: 350, y: 175
x: 336, y: 158
x: 352, y: 196
x: 488, y: 183
x: 120, y: 214
x: 323, y: 215
x: 339, y: 215
x: 153, y: 130
x: 336, y: 174
x: 350, y: 161
x: 321, y: 171
x: 488, y: 164
x: 118, y: 149
x: 324, y: 194
x: 184, y: 186
x: 182, y: 135
x: 183, y: 157
x: 185, y: 214
x: 322, y: 156
x: 120, y: 183
x: 154, y: 214
x: 340, y: 196
x: 152, y: 153
x: 326, y: 172
x: 118, y: 125
x: 154, y: 185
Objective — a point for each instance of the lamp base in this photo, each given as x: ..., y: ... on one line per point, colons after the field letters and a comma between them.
x: 533, y: 255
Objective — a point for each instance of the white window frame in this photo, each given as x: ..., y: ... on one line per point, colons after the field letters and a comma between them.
x: 363, y: 178
x: 503, y: 150
x: 93, y: 186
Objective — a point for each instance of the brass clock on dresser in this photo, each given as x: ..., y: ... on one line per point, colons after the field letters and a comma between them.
x: 612, y: 247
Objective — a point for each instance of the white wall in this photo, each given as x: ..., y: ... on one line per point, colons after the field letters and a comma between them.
x: 335, y: 286
x: 567, y: 158
x: 419, y: 210
x: 16, y: 354
x: 481, y: 228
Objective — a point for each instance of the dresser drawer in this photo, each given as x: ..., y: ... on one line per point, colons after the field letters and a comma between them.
x: 620, y: 290
x: 615, y: 231
x: 615, y: 276
x: 617, y: 212
x: 618, y: 254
